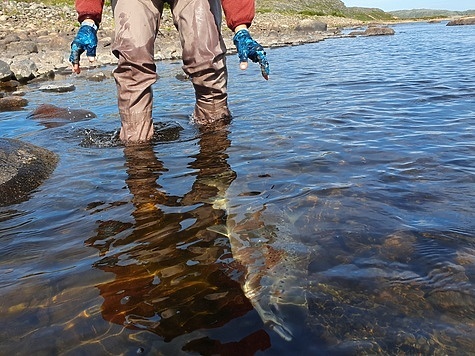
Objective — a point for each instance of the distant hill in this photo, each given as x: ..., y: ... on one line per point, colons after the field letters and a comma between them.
x: 321, y: 8
x: 338, y: 8
x: 368, y: 14
x: 429, y: 13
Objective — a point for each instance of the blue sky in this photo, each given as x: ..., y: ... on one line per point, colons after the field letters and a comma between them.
x: 389, y: 5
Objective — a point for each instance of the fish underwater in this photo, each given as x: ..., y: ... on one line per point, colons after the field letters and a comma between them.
x: 273, y: 264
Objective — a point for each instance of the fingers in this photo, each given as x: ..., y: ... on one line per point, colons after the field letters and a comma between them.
x: 76, y: 68
x: 243, y: 65
x: 75, y: 56
x: 264, y: 63
x: 264, y: 73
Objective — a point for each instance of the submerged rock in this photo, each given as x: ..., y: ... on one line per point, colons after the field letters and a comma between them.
x: 23, y: 167
x: 274, y: 264
x: 54, y: 116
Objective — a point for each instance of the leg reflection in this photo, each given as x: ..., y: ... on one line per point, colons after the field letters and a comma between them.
x: 172, y: 277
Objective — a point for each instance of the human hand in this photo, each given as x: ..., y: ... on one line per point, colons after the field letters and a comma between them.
x: 248, y: 48
x: 85, y: 40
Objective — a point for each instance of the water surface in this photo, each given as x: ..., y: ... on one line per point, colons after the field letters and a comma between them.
x: 358, y: 151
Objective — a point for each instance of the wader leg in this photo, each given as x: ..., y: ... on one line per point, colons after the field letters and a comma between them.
x: 198, y: 22
x: 136, y: 27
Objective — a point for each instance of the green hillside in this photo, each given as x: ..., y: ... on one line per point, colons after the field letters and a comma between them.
x: 429, y: 13
x: 321, y: 8
x: 308, y: 7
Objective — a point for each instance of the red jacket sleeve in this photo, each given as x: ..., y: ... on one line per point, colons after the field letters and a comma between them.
x: 238, y: 12
x: 89, y: 9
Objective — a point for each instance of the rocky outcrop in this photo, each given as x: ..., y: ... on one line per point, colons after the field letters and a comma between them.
x: 23, y: 167
x: 374, y: 31
x: 378, y: 31
x: 310, y: 25
x: 462, y: 21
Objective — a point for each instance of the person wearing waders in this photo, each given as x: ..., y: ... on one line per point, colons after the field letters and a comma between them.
x: 136, y: 27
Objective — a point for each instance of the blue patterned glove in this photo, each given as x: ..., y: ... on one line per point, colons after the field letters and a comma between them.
x: 248, y: 48
x: 85, y: 40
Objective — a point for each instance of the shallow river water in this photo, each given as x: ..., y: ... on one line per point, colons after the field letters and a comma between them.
x: 341, y: 199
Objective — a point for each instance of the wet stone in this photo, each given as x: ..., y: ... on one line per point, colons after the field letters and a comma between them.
x: 97, y: 77
x: 24, y: 70
x: 378, y: 31
x: 58, y: 88
x: 48, y: 111
x: 11, y: 103
x: 23, y: 167
x: 5, y: 72
x: 22, y: 47
x: 462, y: 21
x: 50, y: 75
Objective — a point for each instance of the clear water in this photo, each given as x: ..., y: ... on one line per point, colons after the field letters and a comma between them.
x: 359, y: 153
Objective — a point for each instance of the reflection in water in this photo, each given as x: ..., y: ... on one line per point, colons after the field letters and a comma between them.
x: 172, y: 274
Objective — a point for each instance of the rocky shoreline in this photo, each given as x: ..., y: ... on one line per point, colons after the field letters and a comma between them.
x: 35, y: 38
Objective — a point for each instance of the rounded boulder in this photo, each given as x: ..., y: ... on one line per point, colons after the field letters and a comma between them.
x: 23, y: 168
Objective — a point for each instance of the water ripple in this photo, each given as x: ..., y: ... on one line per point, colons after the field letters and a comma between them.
x: 359, y: 150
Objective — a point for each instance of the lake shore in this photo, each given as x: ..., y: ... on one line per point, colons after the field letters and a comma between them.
x: 35, y: 38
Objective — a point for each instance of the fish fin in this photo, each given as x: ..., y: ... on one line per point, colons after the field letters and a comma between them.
x: 219, y: 229
x: 274, y: 322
